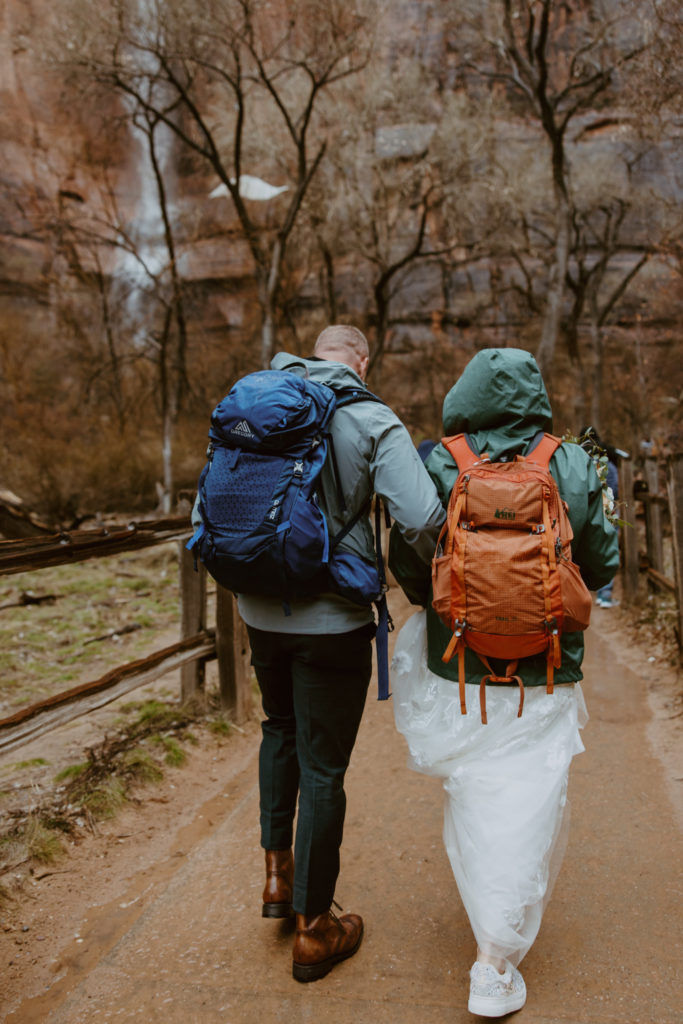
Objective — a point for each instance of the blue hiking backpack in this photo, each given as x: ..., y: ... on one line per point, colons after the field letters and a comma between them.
x: 262, y: 530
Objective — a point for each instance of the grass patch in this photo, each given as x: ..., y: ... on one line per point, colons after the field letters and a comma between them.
x: 105, y: 799
x: 5, y: 897
x: 32, y: 840
x: 59, y: 824
x: 156, y: 716
x: 72, y: 771
x: 34, y: 762
x: 220, y: 726
x: 155, y: 711
x: 104, y: 783
x: 138, y: 765
x: 42, y: 843
x: 43, y: 647
x: 174, y: 754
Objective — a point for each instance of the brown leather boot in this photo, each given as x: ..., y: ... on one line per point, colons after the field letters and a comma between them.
x: 277, y: 895
x: 322, y: 941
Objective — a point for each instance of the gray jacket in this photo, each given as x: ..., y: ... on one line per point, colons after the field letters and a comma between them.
x: 374, y: 453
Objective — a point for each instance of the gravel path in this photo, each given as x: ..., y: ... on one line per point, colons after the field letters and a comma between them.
x: 175, y: 934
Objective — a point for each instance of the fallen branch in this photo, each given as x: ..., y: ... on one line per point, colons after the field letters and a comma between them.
x: 112, y: 633
x: 80, y: 545
x: 27, y: 597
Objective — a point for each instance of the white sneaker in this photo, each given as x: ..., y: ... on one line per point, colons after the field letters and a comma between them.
x: 493, y: 994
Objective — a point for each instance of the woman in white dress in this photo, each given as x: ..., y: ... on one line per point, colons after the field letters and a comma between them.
x: 505, y: 782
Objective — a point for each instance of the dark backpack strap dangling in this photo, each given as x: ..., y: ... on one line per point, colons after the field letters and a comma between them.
x: 384, y: 621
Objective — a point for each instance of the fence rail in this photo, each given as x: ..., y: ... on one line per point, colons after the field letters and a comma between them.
x: 31, y: 722
x: 197, y: 644
x: 228, y: 643
x: 29, y: 554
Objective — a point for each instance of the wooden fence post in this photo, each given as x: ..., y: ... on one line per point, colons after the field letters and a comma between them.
x: 192, y: 619
x: 232, y: 650
x: 675, y: 490
x: 653, y: 516
x: 629, y: 532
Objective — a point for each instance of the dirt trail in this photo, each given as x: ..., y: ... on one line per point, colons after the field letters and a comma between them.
x: 159, y: 919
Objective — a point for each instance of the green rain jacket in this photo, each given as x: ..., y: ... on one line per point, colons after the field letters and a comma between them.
x: 502, y: 403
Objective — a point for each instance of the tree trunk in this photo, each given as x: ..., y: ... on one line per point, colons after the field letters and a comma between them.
x: 545, y: 354
x: 269, y: 282
x: 169, y: 413
x: 381, y: 332
x: 328, y: 284
x: 167, y: 460
x: 598, y: 372
x: 580, y: 398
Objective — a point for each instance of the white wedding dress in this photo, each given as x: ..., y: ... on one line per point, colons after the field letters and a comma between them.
x: 506, y: 812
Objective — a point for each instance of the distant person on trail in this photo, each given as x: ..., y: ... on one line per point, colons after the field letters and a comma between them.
x: 505, y: 781
x: 604, y: 597
x: 314, y: 664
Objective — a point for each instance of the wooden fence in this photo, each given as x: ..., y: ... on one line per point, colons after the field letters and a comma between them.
x: 661, y: 493
x: 227, y: 642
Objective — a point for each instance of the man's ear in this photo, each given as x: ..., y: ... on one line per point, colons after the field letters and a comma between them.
x: 363, y: 367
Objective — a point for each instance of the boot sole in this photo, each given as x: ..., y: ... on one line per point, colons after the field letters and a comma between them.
x: 496, y: 1006
x: 312, y: 972
x: 277, y: 910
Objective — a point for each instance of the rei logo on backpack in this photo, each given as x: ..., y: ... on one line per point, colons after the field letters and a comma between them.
x: 262, y: 530
x: 503, y: 579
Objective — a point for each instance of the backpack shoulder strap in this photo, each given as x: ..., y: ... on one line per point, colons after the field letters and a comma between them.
x: 460, y: 448
x: 349, y: 394
x: 542, y: 449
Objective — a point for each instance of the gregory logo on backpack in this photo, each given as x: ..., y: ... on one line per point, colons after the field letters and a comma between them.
x: 503, y: 579
x: 242, y: 429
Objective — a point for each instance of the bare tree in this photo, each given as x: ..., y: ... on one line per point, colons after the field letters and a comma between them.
x: 239, y: 83
x: 595, y: 291
x: 142, y: 306
x: 555, y: 62
x: 393, y: 194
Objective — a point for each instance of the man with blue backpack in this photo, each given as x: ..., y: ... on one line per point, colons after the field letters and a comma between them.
x: 305, y: 569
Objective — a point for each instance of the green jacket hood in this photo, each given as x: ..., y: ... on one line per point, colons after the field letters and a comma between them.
x: 500, y: 399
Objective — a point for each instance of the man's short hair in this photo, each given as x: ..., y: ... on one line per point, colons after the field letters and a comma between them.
x: 341, y: 337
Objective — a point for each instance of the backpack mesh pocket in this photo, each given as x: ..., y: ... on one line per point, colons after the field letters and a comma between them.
x: 244, y: 489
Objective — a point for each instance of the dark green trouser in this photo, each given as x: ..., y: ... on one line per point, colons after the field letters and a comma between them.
x: 314, y: 690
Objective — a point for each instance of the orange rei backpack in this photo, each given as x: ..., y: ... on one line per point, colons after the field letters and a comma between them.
x: 503, y: 579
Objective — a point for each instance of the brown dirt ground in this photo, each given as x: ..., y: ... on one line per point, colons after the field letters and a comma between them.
x: 100, y: 887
